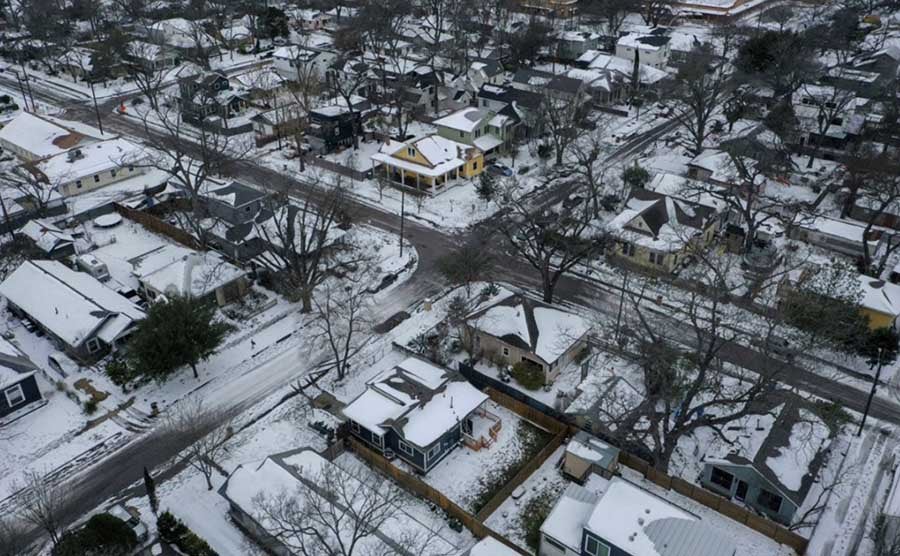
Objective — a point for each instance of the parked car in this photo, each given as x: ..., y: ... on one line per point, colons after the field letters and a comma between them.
x: 498, y: 169
x: 62, y: 364
x: 140, y: 530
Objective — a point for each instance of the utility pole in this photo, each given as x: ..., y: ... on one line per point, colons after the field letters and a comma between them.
x: 402, y: 214
x: 96, y: 108
x: 22, y: 89
x: 27, y: 84
x: 871, y: 395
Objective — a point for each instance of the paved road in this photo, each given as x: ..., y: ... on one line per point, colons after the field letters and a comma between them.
x: 114, y: 474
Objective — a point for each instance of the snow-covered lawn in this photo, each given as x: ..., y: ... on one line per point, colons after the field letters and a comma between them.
x: 470, y: 477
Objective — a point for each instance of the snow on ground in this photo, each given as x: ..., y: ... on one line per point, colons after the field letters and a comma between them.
x: 465, y: 473
x: 546, y: 481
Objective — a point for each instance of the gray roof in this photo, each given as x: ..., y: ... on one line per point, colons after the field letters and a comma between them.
x: 243, y: 194
x: 673, y: 536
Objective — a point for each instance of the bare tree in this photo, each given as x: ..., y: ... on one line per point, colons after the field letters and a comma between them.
x: 301, y: 239
x: 821, y: 108
x: 655, y: 11
x: 13, y: 538
x: 699, y: 90
x: 147, y: 77
x: 562, y: 119
x: 340, y: 316
x: 879, y: 195
x: 204, y: 430
x: 192, y: 157
x: 332, y: 513
x: 469, y: 263
x: 42, y: 504
x: 346, y: 83
x: 34, y: 190
x: 885, y: 537
x: 551, y: 240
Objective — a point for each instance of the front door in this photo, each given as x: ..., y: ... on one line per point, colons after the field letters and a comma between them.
x: 741, y: 492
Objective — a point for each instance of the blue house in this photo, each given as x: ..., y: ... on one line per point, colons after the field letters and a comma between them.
x: 622, y: 519
x: 18, y: 382
x: 772, y: 468
x: 419, y: 412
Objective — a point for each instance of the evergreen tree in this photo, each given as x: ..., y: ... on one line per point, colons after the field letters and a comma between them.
x: 485, y: 187
x: 150, y: 487
x: 636, y: 73
x: 635, y: 176
x: 179, y: 331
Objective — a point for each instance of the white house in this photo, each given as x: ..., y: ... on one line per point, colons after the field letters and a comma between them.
x: 83, y: 169
x: 653, y: 48
x: 287, y: 59
x: 32, y: 137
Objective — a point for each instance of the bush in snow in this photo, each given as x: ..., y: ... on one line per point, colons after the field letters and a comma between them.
x: 529, y: 376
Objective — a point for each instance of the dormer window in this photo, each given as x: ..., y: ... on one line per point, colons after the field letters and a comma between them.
x: 411, y: 151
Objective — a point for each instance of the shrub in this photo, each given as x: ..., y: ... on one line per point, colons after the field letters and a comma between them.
x: 532, y: 517
x: 544, y: 150
x: 102, y: 534
x: 90, y: 406
x: 118, y: 372
x: 173, y: 531
x: 529, y: 376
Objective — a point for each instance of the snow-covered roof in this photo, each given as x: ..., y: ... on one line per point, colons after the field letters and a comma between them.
x: 599, y: 61
x: 72, y: 305
x: 627, y: 515
x: 45, y: 235
x: 14, y: 365
x: 688, y: 189
x: 443, y: 155
x: 570, y: 514
x: 592, y: 449
x: 173, y: 269
x: 658, y: 221
x: 546, y: 331
x: 880, y: 296
x: 94, y: 158
x: 789, y: 450
x: 641, y: 41
x: 417, y: 399
x: 43, y: 136
x: 835, y: 227
x: 465, y: 120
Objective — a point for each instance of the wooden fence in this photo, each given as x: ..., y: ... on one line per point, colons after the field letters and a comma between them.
x: 526, y: 411
x: 157, y: 225
x: 418, y: 487
x: 713, y: 501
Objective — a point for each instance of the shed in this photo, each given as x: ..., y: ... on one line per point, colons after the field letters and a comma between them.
x: 586, y: 454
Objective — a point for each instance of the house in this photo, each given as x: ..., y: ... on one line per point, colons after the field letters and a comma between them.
x: 82, y: 316
x: 176, y: 270
x: 419, y: 413
x: 490, y: 132
x: 149, y: 56
x: 18, y: 382
x: 207, y: 95
x: 428, y: 163
x: 772, y: 473
x: 570, y: 45
x: 812, y: 103
x: 658, y: 231
x: 183, y: 35
x: 235, y: 202
x: 305, y: 475
x: 618, y: 71
x: 31, y: 137
x: 236, y: 36
x: 880, y: 302
x: 334, y: 123
x: 552, y: 8
x: 520, y: 105
x: 301, y: 62
x: 623, y: 519
x: 89, y: 167
x: 651, y: 49
x: 517, y: 329
x: 309, y: 20
x: 587, y: 455
x: 261, y: 84
x: 282, y: 122
x: 846, y: 237
x: 50, y: 239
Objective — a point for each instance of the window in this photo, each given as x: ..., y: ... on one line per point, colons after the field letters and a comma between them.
x: 484, y: 102
x: 475, y: 165
x: 594, y: 547
x: 411, y: 152
x: 93, y: 345
x: 506, y: 352
x: 96, y: 178
x: 131, y: 168
x: 768, y: 500
x: 657, y: 258
x: 354, y: 426
x: 628, y: 249
x: 78, y: 184
x: 378, y: 440
x: 406, y: 449
x: 113, y: 172
x: 14, y: 395
x: 721, y: 478
x: 462, y: 133
x: 434, y: 452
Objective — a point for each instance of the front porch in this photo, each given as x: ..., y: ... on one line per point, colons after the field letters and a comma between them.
x: 480, y: 429
x: 425, y: 184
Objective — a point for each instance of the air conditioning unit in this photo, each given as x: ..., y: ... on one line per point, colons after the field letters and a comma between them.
x: 389, y: 454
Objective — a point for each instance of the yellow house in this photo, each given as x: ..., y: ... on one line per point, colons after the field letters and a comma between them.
x: 658, y: 231
x: 880, y: 302
x: 429, y: 163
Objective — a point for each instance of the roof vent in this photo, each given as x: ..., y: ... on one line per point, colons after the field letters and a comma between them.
x: 640, y: 521
x: 647, y: 511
